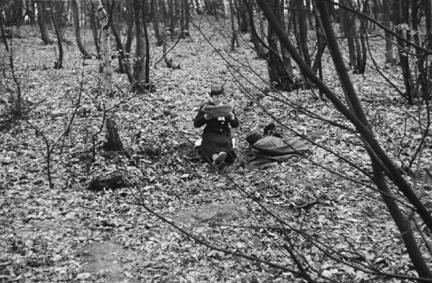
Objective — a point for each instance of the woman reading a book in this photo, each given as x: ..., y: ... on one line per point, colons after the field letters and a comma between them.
x: 218, y: 117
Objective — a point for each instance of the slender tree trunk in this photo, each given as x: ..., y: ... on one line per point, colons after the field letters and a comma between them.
x: 123, y: 59
x: 142, y: 51
x: 77, y: 16
x: 182, y: 19
x: 348, y: 27
x: 105, y: 64
x: 234, y: 35
x: 171, y: 18
x: 147, y: 51
x: 285, y: 55
x: 156, y: 20
x: 54, y: 18
x: 361, y: 50
x: 300, y: 19
x: 400, y: 15
x: 402, y: 224
x: 428, y: 66
x: 139, y: 70
x: 389, y: 58
x: 187, y: 17
x: 242, y: 16
x: 130, y: 25
x: 95, y: 27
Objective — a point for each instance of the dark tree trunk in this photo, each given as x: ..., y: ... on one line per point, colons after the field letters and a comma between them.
x: 54, y: 18
x: 172, y: 22
x: 182, y: 19
x: 158, y: 35
x: 130, y: 25
x: 142, y: 52
x: 301, y: 30
x: 187, y: 16
x: 254, y: 36
x: 95, y: 27
x: 242, y: 15
x: 113, y: 141
x: 285, y: 55
x: 124, y: 66
x: 234, y: 35
x: 389, y: 59
x: 43, y: 23
x: 147, y: 51
x: 428, y: 68
x: 348, y: 27
x: 77, y: 16
x: 279, y: 77
x: 400, y: 16
x: 361, y: 50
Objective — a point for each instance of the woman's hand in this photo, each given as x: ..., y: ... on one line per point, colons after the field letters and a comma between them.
x: 231, y: 116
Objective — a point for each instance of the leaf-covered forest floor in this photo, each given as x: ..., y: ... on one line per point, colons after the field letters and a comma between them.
x: 69, y: 233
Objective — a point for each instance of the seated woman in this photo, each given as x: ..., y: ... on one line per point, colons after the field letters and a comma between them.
x: 218, y: 116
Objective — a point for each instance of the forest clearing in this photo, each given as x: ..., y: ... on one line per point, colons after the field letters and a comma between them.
x: 101, y: 180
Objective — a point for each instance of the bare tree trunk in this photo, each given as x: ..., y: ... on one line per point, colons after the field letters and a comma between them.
x: 105, y: 63
x: 254, y: 36
x: 187, y: 17
x: 42, y: 21
x: 124, y: 66
x: 130, y: 25
x: 285, y: 55
x: 278, y: 75
x: 428, y: 68
x: 400, y: 16
x: 360, y: 42
x: 171, y: 18
x: 348, y: 27
x: 77, y: 15
x: 389, y: 58
x: 142, y: 52
x: 54, y: 18
x: 234, y: 35
x: 95, y: 27
x: 301, y: 31
x: 242, y: 15
x: 156, y: 20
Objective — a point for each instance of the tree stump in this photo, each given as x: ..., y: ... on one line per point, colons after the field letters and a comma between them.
x: 113, y: 142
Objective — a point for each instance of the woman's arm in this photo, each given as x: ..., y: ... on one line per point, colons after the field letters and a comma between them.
x: 199, y: 119
x: 234, y: 122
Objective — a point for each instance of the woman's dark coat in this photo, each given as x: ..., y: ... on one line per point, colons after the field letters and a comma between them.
x: 216, y: 136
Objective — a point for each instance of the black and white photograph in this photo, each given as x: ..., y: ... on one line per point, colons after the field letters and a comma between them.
x: 216, y: 141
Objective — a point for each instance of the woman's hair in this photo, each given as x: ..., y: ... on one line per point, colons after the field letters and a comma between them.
x: 253, y: 137
x: 216, y: 90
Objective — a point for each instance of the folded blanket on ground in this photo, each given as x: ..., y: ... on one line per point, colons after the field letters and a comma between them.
x: 218, y: 110
x: 271, y: 149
